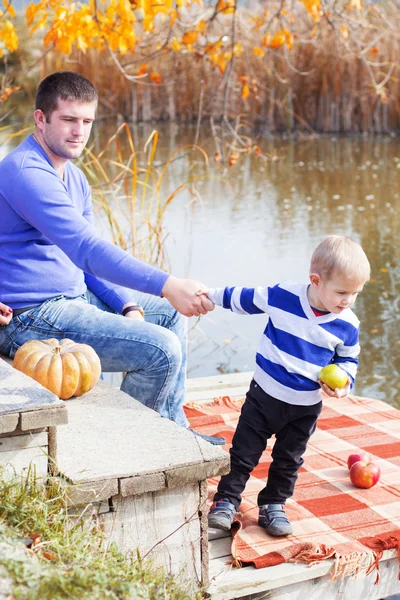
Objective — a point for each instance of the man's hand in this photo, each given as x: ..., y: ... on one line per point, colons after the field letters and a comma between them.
x: 133, y: 314
x: 338, y: 392
x: 6, y: 314
x: 187, y: 296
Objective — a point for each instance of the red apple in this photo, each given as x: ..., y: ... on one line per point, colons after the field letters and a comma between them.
x: 365, y: 473
x: 356, y: 456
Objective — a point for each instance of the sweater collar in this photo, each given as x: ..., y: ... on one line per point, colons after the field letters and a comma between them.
x: 309, y: 311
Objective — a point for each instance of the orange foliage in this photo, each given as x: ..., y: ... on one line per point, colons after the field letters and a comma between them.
x: 233, y: 159
x: 189, y: 37
x: 313, y: 7
x: 8, y: 34
x: 156, y: 78
x: 122, y: 26
x: 281, y: 37
x: 6, y: 93
x: 245, y: 91
x: 226, y: 6
x: 143, y: 69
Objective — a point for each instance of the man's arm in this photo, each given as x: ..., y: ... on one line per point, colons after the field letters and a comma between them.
x: 115, y: 296
x: 51, y: 211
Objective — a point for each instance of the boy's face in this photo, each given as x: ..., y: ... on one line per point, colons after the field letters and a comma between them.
x: 334, y: 294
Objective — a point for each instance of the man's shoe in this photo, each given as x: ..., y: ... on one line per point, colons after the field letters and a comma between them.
x: 212, y: 439
x: 273, y: 519
x: 221, y: 514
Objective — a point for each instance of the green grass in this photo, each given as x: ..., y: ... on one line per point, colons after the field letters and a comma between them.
x: 68, y: 558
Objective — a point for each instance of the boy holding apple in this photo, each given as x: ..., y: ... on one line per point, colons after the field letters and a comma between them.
x: 309, y: 327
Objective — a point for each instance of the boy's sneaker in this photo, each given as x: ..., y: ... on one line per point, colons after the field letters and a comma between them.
x: 273, y: 519
x: 221, y: 514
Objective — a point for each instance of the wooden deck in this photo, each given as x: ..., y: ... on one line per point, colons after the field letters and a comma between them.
x: 287, y: 581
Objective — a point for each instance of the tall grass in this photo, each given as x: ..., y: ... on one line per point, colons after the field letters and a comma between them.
x: 47, y: 555
x: 127, y: 186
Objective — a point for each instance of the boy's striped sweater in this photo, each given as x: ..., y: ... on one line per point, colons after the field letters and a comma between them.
x: 296, y: 343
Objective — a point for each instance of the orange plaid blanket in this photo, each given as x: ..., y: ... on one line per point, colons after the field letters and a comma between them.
x: 331, y: 518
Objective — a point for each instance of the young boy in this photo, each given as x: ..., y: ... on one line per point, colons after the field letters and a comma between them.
x: 309, y: 327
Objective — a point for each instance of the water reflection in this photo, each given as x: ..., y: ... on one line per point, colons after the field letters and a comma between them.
x: 258, y: 222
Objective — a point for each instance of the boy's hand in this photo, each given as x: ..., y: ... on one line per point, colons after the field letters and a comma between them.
x: 6, y: 314
x: 338, y: 392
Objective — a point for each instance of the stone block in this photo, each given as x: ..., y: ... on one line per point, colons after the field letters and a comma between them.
x: 95, y: 491
x: 34, y: 419
x: 132, y: 486
x: 110, y: 435
x: 8, y: 423
x: 18, y: 392
x: 198, y: 472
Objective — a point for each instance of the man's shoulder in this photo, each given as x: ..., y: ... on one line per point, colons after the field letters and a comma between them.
x: 25, y: 155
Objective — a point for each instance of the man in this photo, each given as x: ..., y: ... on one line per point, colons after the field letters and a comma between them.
x: 62, y: 280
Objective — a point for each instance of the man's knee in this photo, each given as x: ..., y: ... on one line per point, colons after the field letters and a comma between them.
x: 171, y: 345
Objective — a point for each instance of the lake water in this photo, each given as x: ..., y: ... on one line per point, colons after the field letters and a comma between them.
x: 257, y: 223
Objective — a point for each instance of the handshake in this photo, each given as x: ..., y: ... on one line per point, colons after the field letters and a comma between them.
x: 187, y: 296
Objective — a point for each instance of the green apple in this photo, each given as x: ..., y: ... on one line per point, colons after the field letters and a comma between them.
x: 333, y: 376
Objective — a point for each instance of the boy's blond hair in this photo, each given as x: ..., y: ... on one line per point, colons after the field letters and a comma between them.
x: 341, y: 256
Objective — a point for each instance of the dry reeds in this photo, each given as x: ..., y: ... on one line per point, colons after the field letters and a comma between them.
x: 340, y: 76
x: 129, y: 197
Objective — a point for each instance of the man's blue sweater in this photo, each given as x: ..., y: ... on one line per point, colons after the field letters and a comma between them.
x: 48, y: 242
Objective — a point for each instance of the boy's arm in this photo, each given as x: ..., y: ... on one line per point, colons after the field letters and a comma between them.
x: 347, y: 351
x: 346, y: 357
x: 244, y: 301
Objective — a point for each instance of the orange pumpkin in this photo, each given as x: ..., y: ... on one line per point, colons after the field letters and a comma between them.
x: 63, y: 367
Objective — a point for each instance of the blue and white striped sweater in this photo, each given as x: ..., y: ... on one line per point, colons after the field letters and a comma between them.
x: 296, y: 343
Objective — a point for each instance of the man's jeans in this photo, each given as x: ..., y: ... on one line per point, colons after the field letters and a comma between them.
x: 151, y: 352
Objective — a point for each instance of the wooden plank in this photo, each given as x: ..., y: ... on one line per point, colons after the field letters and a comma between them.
x: 20, y: 442
x: 299, y: 581
x: 210, y: 394
x: 216, y: 534
x: 216, y: 382
x: 220, y: 548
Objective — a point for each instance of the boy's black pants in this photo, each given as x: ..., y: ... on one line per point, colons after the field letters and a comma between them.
x: 261, y: 416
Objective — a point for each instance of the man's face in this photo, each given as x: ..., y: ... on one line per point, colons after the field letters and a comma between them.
x: 68, y: 131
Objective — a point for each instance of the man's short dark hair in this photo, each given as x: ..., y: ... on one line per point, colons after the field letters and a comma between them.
x: 64, y: 85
